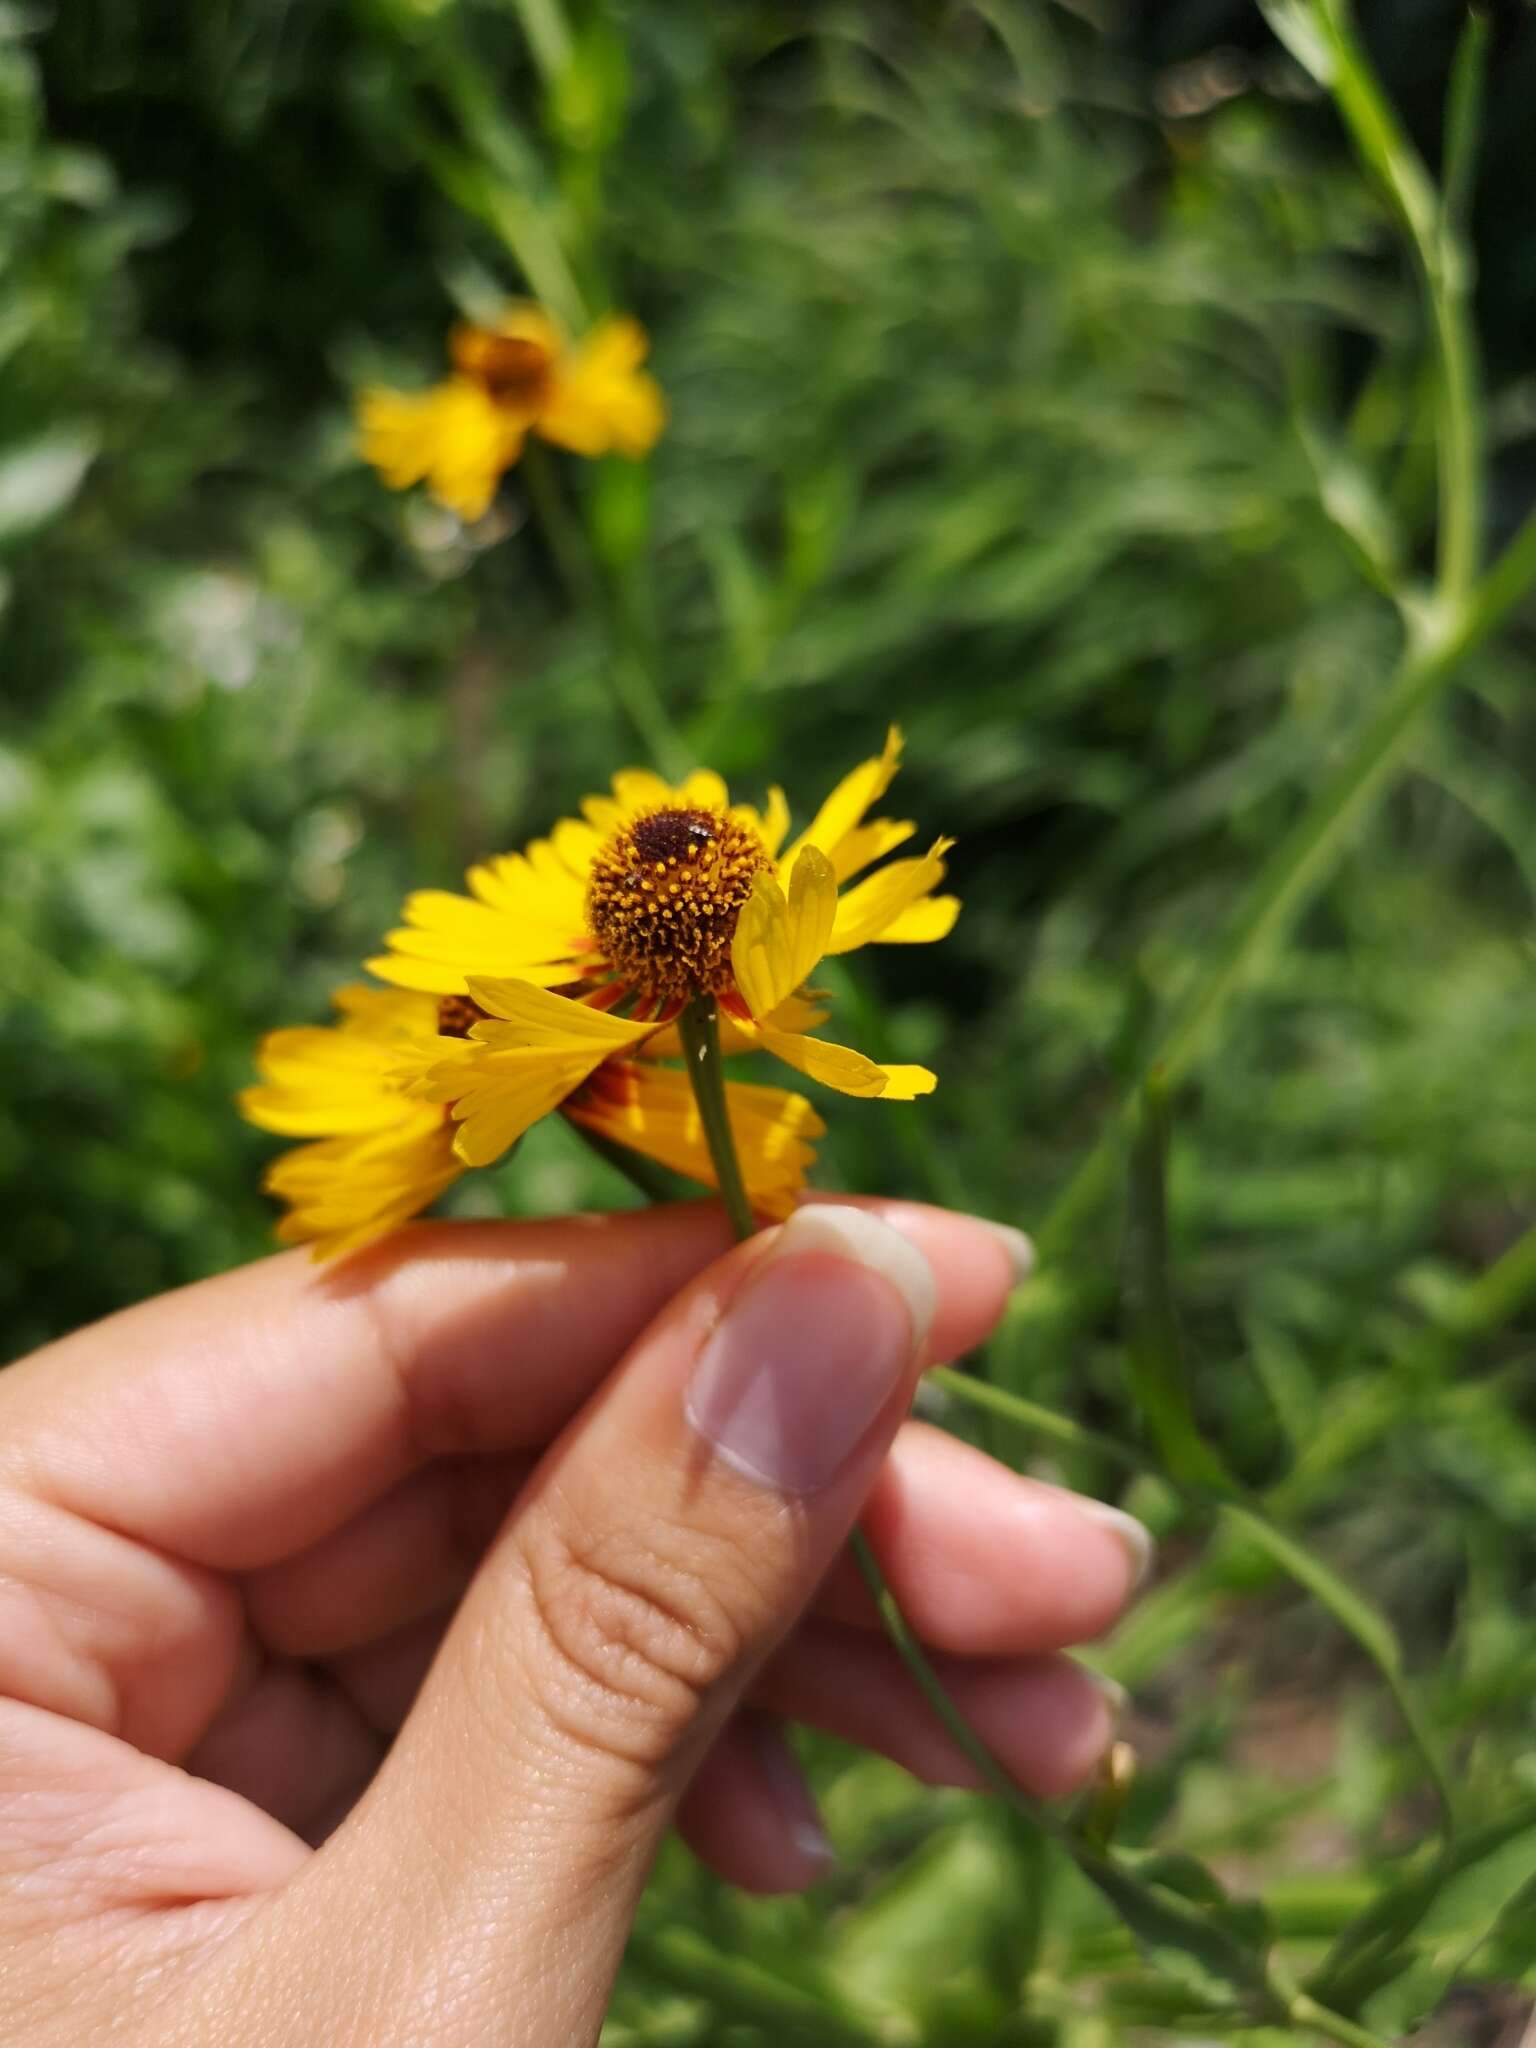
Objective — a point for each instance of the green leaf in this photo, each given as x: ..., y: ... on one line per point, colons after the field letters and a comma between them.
x: 1296, y: 25
x: 1451, y: 1888
x: 1186, y: 1926
x: 1464, y: 118
x: 1155, y: 1354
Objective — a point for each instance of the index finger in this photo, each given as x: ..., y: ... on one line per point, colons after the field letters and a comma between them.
x: 243, y: 1418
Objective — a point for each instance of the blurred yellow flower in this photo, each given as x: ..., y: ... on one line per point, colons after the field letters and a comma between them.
x: 555, y: 985
x: 518, y: 377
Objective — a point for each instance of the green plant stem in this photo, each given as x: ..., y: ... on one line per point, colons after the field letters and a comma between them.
x: 699, y: 1029
x: 1038, y: 1420
x: 1388, y: 154
x: 1296, y: 868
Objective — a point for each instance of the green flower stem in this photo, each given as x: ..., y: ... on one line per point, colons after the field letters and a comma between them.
x: 699, y: 1029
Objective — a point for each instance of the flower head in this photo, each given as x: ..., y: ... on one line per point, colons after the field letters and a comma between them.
x: 556, y: 982
x: 517, y: 377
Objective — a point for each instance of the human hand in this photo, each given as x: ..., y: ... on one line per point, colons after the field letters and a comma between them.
x: 363, y: 1629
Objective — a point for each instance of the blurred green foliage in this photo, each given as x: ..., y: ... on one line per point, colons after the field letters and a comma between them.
x: 1071, y: 410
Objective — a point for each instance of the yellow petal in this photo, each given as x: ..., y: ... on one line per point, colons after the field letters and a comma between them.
x: 599, y: 399
x: 521, y: 1015
x: 524, y: 918
x: 504, y: 1090
x: 388, y: 1014
x: 530, y: 1053
x: 866, y: 910
x: 932, y: 918
x: 779, y: 939
x: 317, y: 1115
x: 445, y: 977
x: 379, y: 1154
x: 453, y: 437
x: 850, y: 1072
x: 868, y: 843
x: 770, y: 824
x: 844, y: 809
x: 638, y: 789
x: 703, y: 790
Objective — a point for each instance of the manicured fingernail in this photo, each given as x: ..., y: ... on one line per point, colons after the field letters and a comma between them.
x: 1136, y: 1537
x: 786, y: 1786
x: 1020, y: 1250
x: 813, y: 1347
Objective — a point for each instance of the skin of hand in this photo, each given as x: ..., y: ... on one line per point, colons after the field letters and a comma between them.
x: 364, y: 1629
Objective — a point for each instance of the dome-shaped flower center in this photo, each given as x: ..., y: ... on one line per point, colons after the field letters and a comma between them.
x: 665, y: 894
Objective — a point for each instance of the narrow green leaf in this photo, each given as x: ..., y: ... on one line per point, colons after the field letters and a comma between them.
x: 1155, y: 1353
x: 1464, y: 119
x: 1189, y: 1939
x: 1370, y: 1629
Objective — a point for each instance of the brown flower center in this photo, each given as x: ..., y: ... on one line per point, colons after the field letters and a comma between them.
x: 665, y: 894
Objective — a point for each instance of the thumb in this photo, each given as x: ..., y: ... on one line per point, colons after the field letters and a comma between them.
x: 663, y: 1547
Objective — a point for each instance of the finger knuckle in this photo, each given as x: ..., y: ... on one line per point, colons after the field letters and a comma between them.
x: 632, y: 1638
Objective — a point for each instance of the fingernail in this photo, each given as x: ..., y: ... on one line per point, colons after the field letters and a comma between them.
x: 785, y: 1782
x: 1020, y: 1250
x: 1136, y: 1537
x: 812, y: 1348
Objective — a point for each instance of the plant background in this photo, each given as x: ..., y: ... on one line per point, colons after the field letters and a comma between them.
x: 1051, y: 380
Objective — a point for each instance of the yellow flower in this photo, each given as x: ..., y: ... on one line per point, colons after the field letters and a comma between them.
x: 382, y: 1152
x: 582, y: 950
x: 555, y: 986
x: 518, y: 377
